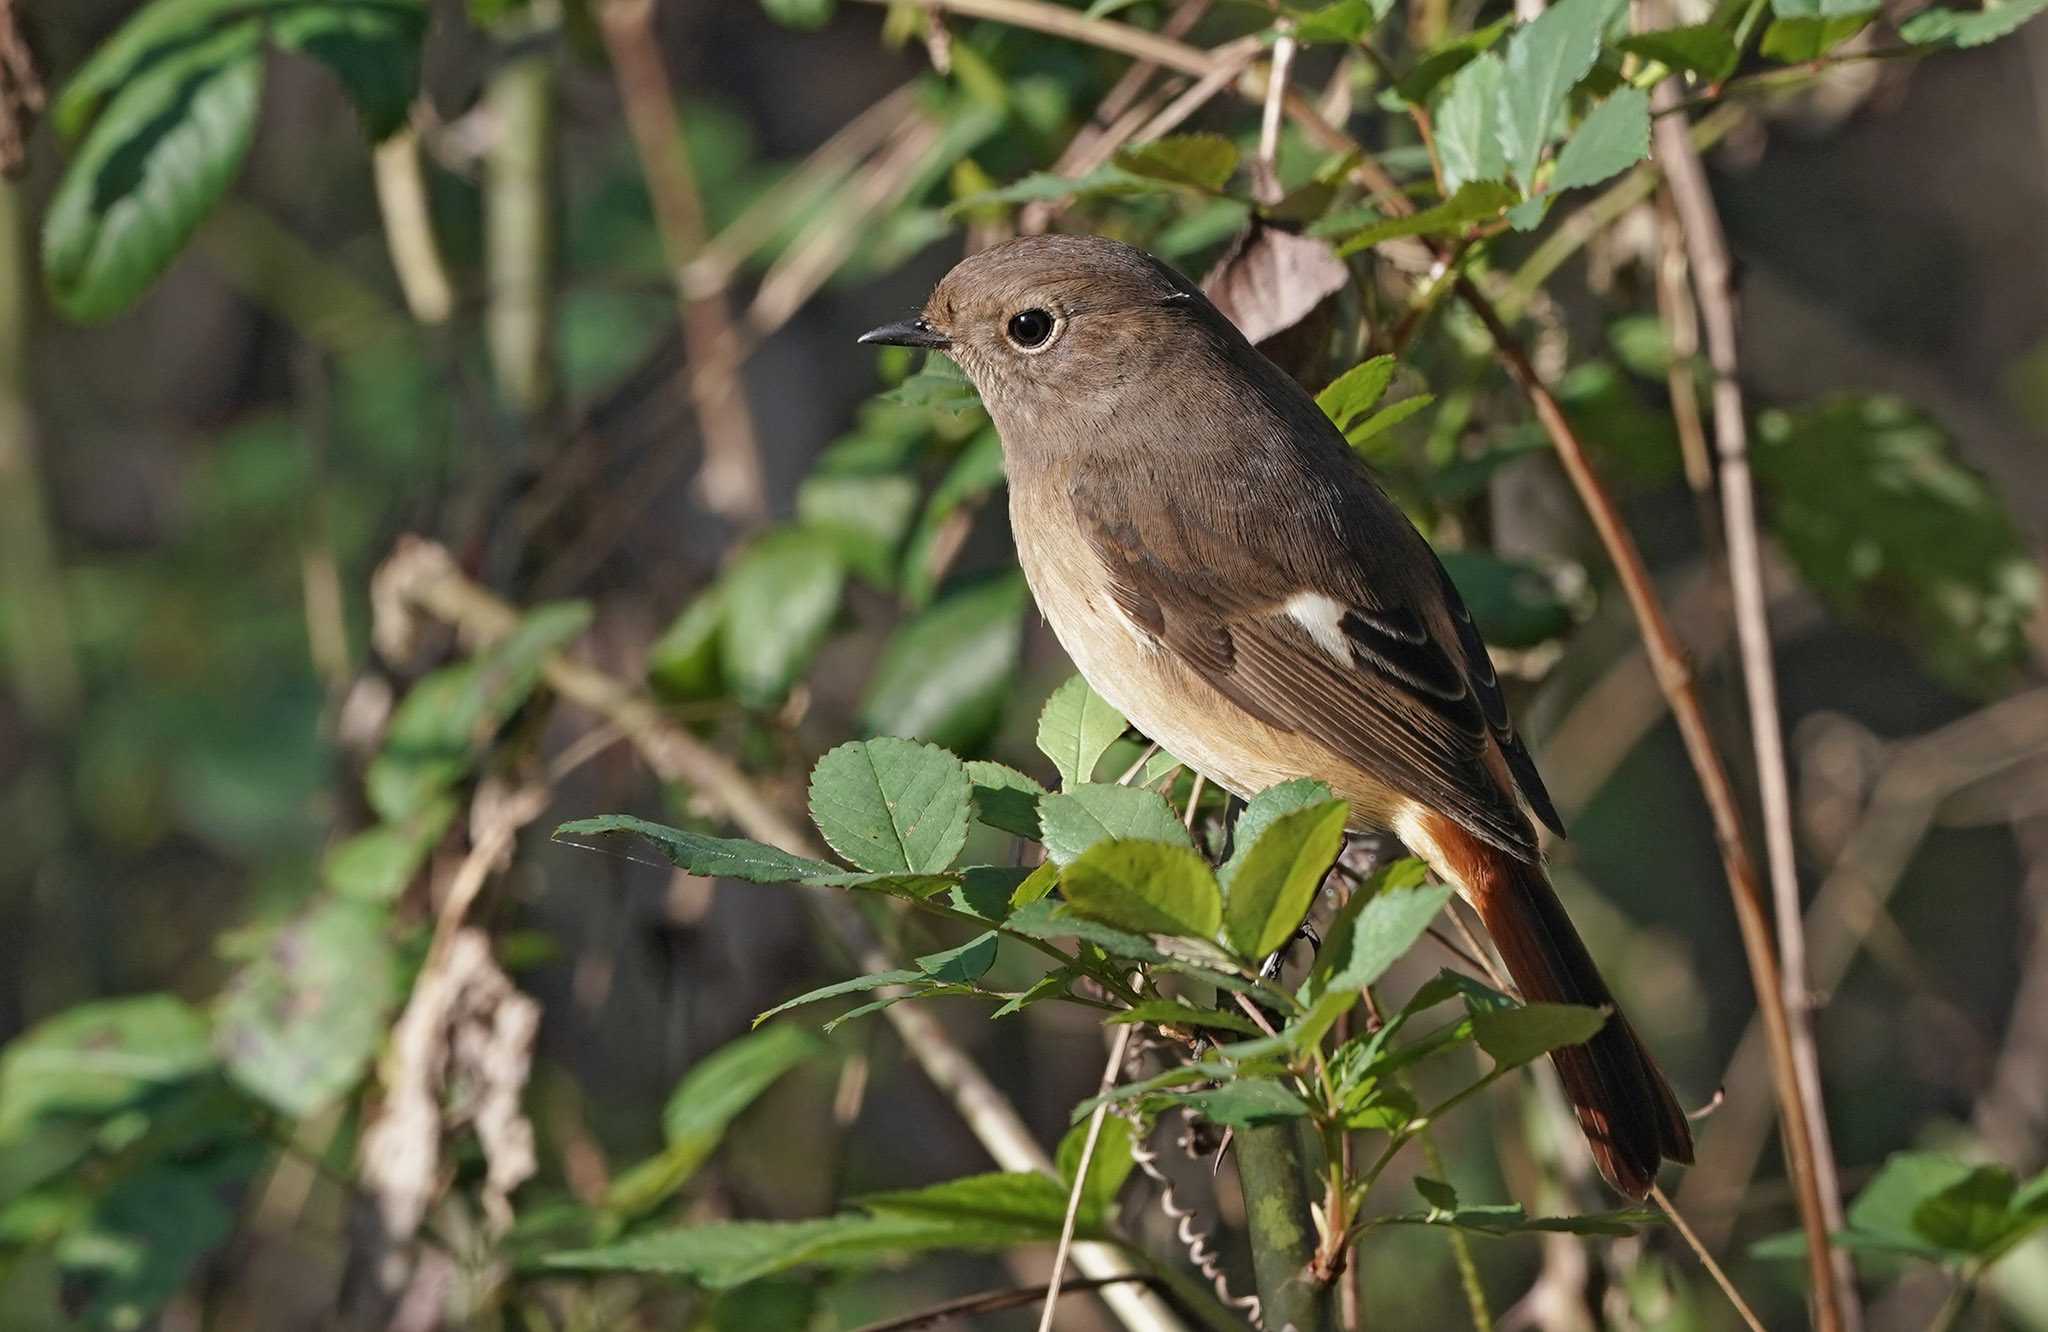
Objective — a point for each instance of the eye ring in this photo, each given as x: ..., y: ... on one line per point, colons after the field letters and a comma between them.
x: 1032, y: 331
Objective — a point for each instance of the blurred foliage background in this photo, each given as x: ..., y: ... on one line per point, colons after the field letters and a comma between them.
x: 574, y: 298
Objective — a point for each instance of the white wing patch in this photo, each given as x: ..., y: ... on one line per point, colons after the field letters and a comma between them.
x: 1323, y: 617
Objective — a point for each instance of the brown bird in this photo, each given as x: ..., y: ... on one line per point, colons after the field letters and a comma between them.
x: 1222, y: 567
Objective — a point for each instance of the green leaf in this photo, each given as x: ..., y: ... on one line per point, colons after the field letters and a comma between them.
x: 448, y: 717
x: 1794, y: 41
x: 1899, y: 535
x: 713, y: 857
x: 1467, y: 123
x: 1545, y: 57
x: 945, y: 673
x: 1703, y: 49
x: 683, y: 664
x: 1965, y: 27
x: 98, y: 1059
x: 299, y: 1024
x: 1514, y: 605
x: 1613, y: 137
x: 873, y: 980
x: 1204, y: 161
x: 1027, y: 1204
x: 377, y: 864
x: 1265, y: 807
x: 1147, y: 887
x: 804, y: 15
x: 1244, y: 1103
x: 1108, y: 1168
x: 1369, y: 935
x: 1005, y: 798
x: 1047, y: 919
x: 975, y: 474
x: 892, y: 805
x: 1479, y: 201
x: 1514, y: 1036
x: 1354, y: 392
x: 963, y: 965
x: 152, y: 167
x: 772, y: 1302
x: 373, y: 48
x: 704, y: 1104
x: 1179, y: 1013
x: 1792, y: 9
x: 1342, y: 22
x: 1074, y: 729
x: 728, y: 1254
x: 939, y: 386
x: 149, y: 1230
x: 1383, y: 420
x: 1970, y: 1216
x: 1447, y: 59
x: 865, y: 514
x: 780, y: 598
x: 1074, y: 820
x: 1268, y: 892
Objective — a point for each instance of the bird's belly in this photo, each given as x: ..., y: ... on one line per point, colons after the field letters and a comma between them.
x: 1170, y: 702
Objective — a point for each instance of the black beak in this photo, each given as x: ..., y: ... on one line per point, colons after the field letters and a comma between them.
x: 908, y: 333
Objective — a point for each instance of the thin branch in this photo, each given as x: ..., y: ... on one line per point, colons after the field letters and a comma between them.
x: 731, y: 478
x: 409, y: 228
x: 1110, y: 1068
x: 1678, y: 1223
x: 421, y: 576
x: 1040, y: 16
x: 519, y: 231
x: 992, y: 1301
x: 1713, y: 278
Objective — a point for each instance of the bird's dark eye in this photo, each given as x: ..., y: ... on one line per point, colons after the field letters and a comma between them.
x: 1030, y: 328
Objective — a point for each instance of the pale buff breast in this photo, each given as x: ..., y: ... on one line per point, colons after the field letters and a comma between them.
x: 1162, y: 697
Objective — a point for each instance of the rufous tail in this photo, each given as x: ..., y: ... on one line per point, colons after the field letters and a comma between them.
x: 1631, y: 1119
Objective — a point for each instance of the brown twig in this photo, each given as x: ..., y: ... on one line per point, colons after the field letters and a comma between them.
x: 992, y: 1301
x: 731, y: 478
x: 1706, y: 249
x: 409, y: 228
x: 1110, y: 1069
x: 421, y: 576
x: 1692, y: 1240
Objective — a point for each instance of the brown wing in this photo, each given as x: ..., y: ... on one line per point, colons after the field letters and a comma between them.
x: 1303, y: 595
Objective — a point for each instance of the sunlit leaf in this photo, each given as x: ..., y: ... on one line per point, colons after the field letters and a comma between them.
x: 1076, y: 819
x: 1467, y: 121
x: 1204, y: 161
x: 892, y: 805
x: 1147, y: 887
x: 1613, y: 137
x: 1074, y: 729
x: 1268, y: 892
x: 1545, y: 57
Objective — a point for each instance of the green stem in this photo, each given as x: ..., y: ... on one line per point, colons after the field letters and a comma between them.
x: 1957, y: 1304
x: 1461, y: 1248
x: 1283, y: 1235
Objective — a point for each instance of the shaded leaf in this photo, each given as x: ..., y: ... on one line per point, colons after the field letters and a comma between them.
x: 873, y: 980
x: 1074, y: 820
x: 1467, y: 121
x: 99, y: 1058
x: 892, y: 805
x: 377, y: 864
x: 1898, y: 534
x: 704, y: 1104
x: 1074, y: 729
x: 297, y: 1025
x: 804, y: 15
x: 1383, y: 420
x: 373, y: 48
x: 1794, y: 41
x: 1244, y: 1103
x: 781, y: 595
x: 946, y: 672
x: 1480, y: 201
x: 1005, y: 798
x: 1545, y: 57
x: 1108, y: 1168
x: 1446, y: 59
x: 1613, y: 137
x: 154, y: 164
x: 1048, y: 919
x: 1148, y: 887
x: 963, y: 965
x: 684, y: 663
x: 1514, y: 1036
x: 865, y: 515
x: 1262, y: 809
x: 1342, y: 22
x: 1179, y: 1013
x: 1204, y: 161
x: 1945, y: 27
x: 1703, y: 49
x: 1514, y: 605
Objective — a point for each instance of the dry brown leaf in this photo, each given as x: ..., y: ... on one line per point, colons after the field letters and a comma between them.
x: 1271, y: 280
